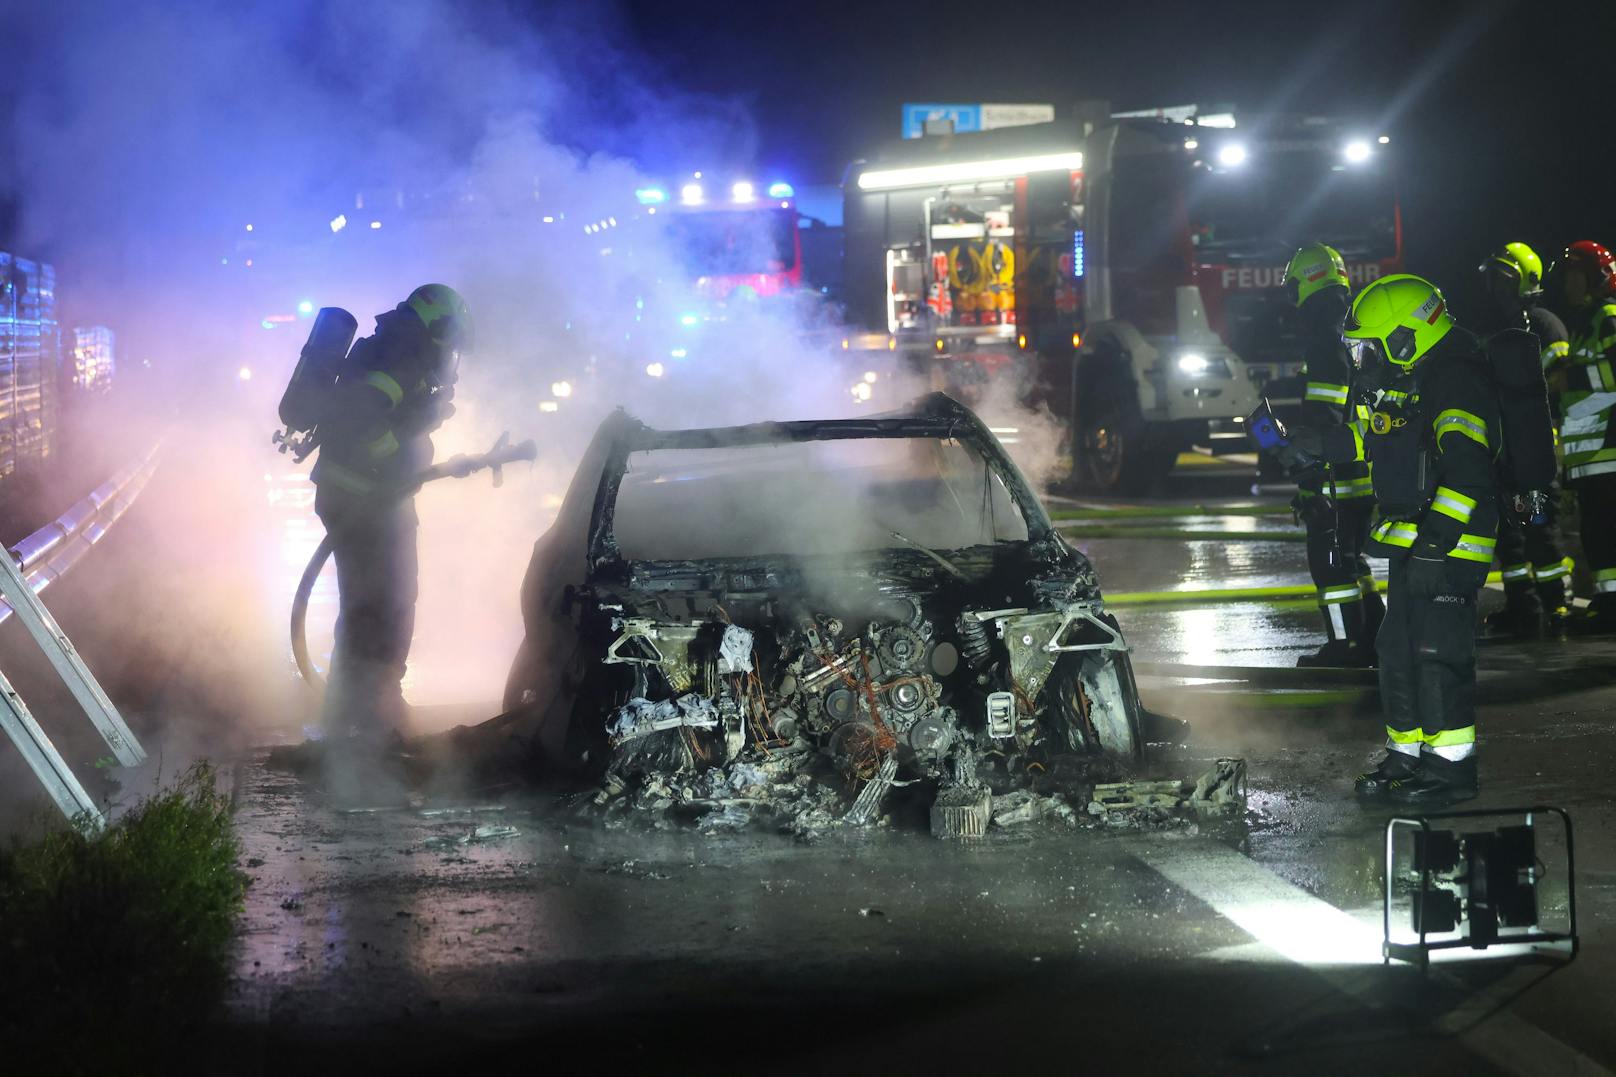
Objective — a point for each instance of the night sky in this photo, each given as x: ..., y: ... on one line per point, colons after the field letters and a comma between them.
x: 1499, y: 112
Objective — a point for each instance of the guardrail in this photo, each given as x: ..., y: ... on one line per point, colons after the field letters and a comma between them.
x: 27, y: 569
x: 46, y: 555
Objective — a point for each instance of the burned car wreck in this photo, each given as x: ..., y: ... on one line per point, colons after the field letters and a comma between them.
x: 787, y: 622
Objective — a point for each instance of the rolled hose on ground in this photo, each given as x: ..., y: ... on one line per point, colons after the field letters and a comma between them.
x: 456, y: 467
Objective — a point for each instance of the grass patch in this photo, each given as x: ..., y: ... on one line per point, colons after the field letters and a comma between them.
x: 116, y: 942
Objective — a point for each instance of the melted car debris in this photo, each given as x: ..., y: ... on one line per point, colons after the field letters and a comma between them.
x: 1221, y: 790
x: 975, y: 679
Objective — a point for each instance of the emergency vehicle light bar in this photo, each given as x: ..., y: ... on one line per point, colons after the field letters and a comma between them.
x: 922, y: 175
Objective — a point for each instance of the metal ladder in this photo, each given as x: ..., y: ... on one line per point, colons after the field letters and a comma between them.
x: 19, y: 724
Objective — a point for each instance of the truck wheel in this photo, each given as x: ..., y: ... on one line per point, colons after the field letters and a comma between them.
x: 1114, y: 451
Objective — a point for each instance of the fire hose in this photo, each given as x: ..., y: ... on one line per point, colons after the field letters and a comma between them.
x: 456, y: 467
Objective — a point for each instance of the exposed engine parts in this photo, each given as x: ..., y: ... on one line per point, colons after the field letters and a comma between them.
x: 861, y: 708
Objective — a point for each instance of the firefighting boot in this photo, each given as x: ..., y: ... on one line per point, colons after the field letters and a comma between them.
x: 1551, y: 595
x: 1521, y: 617
x: 1598, y: 620
x: 1396, y: 767
x: 1349, y: 645
x: 1439, y: 781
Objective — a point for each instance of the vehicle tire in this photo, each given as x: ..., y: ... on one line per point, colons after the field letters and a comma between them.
x: 1098, y: 704
x: 1114, y: 451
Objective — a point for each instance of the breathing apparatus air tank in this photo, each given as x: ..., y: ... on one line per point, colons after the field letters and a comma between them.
x: 1523, y: 401
x: 303, y: 403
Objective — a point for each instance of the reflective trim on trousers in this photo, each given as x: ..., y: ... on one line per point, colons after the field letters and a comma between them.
x: 1406, y: 741
x: 1452, y: 744
x: 1330, y: 596
x: 1512, y: 573
x: 1545, y: 573
x: 1605, y: 581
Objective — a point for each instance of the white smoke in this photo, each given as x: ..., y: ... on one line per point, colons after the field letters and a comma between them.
x: 150, y: 136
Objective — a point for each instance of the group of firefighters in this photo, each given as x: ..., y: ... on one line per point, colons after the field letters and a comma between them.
x: 1402, y: 453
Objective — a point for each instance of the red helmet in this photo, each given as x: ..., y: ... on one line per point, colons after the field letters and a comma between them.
x: 1597, y: 264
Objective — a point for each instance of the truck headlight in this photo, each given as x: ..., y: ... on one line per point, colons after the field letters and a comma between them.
x: 1200, y: 365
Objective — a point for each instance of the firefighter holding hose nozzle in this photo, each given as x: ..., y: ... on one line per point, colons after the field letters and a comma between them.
x: 393, y: 389
x: 1434, y: 429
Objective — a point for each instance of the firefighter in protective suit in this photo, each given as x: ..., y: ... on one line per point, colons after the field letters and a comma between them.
x: 1531, y: 557
x: 1587, y: 388
x: 1431, y: 438
x: 1334, y: 501
x: 396, y: 387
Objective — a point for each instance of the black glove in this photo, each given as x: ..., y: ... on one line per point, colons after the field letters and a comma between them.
x: 1303, y: 450
x: 424, y: 412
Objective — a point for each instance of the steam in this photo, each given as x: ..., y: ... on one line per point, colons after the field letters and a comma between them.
x: 484, y: 146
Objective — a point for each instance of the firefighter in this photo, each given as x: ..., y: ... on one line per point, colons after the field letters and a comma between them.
x: 1587, y: 390
x: 1431, y: 438
x: 396, y: 388
x: 1334, y: 501
x: 1531, y: 556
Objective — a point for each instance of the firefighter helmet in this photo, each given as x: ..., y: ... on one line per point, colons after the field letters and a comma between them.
x: 1597, y: 264
x: 1403, y: 314
x: 1313, y: 269
x: 1521, y: 264
x: 444, y: 313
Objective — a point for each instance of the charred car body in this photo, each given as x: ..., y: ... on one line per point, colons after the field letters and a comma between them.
x: 804, y: 615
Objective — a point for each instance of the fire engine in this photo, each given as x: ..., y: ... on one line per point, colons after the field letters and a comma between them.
x: 1127, y: 270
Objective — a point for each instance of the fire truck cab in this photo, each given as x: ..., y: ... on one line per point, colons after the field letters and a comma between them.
x: 1128, y: 273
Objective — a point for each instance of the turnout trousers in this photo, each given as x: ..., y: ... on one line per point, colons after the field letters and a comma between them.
x: 377, y: 584
x: 1427, y: 652
x: 1532, y: 556
x: 1335, y: 559
x: 1596, y: 504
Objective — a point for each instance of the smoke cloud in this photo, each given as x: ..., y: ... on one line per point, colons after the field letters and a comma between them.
x: 197, y: 171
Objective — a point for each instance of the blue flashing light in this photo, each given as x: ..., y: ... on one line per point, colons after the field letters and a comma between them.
x: 305, y: 307
x: 688, y: 319
x: 651, y: 196
x: 267, y: 324
x: 781, y: 190
x: 1077, y: 253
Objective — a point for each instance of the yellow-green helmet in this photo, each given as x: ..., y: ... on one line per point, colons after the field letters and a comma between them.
x: 1313, y: 269
x: 1406, y: 315
x: 1521, y: 263
x: 444, y: 314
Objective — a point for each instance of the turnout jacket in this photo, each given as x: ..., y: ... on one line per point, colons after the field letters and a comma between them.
x: 386, y: 403
x: 1327, y: 399
x: 1588, y: 390
x: 1430, y: 440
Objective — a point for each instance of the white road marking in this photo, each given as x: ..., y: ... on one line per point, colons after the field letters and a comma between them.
x: 1289, y: 921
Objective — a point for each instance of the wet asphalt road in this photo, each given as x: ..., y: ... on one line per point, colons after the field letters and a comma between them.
x: 1245, y: 945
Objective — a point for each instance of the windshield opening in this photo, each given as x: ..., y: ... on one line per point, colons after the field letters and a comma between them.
x: 812, y: 498
x: 1279, y: 202
x: 717, y: 243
